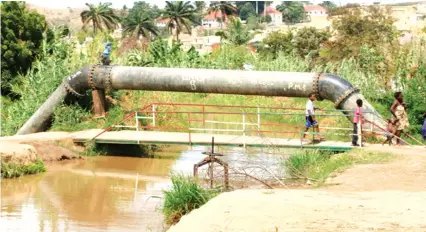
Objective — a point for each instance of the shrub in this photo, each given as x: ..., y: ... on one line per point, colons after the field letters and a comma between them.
x: 185, y: 196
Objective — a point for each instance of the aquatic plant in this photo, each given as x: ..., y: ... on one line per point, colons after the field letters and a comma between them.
x: 13, y: 170
x: 185, y: 196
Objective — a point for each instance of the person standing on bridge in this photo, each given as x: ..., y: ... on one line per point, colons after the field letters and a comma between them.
x: 358, y: 121
x: 310, y: 116
x: 399, y: 112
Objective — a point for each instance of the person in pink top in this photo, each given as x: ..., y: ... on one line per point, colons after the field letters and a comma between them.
x: 357, y: 120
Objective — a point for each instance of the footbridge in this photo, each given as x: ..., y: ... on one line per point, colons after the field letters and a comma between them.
x: 244, y: 126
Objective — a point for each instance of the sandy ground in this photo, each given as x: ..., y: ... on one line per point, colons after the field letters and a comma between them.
x: 375, y: 197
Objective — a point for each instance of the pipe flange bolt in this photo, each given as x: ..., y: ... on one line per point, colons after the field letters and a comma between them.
x: 90, y: 77
x: 345, y: 95
x: 315, y: 86
x: 72, y: 91
x: 108, y: 83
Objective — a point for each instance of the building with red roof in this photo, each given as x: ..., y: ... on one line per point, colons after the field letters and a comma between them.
x: 161, y: 22
x: 276, y: 16
x: 315, y: 10
x: 213, y: 19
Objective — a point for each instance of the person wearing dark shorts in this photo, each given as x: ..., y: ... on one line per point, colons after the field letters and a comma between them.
x: 310, y: 116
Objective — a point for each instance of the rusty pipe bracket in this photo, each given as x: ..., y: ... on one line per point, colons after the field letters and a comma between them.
x: 345, y: 95
x: 315, y: 86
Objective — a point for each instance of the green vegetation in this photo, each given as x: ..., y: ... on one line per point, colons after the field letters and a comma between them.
x: 317, y: 166
x: 185, y: 196
x: 293, y: 11
x: 180, y: 15
x: 13, y: 170
x: 21, y: 41
x: 101, y: 17
x: 370, y: 67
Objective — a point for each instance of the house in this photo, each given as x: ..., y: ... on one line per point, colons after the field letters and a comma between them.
x: 214, y: 19
x: 315, y: 10
x: 161, y: 22
x: 276, y: 16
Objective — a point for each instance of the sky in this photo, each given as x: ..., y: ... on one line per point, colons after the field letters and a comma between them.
x: 129, y: 3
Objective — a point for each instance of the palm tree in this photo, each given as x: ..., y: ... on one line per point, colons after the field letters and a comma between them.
x: 237, y: 33
x: 101, y: 16
x: 138, y: 25
x: 224, y: 7
x: 180, y: 14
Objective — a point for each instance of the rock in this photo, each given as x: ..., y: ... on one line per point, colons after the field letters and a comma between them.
x: 17, y: 153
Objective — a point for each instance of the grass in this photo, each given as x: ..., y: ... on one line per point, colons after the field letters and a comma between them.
x: 318, y: 166
x: 13, y: 170
x: 185, y: 196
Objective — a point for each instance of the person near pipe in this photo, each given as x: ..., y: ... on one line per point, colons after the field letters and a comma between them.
x: 399, y: 112
x: 310, y: 116
x: 106, y: 54
x: 358, y: 120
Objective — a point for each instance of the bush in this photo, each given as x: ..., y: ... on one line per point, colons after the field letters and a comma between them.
x: 185, y: 196
x: 12, y: 170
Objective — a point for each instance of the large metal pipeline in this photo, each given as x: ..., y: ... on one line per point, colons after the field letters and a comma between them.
x: 266, y: 83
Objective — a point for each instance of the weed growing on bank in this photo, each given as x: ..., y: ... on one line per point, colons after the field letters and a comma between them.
x: 13, y: 170
x: 185, y: 196
x: 317, y: 165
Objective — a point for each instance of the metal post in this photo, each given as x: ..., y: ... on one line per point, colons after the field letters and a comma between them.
x: 258, y: 121
x: 189, y: 128
x: 137, y: 121
x: 244, y: 129
x: 153, y: 114
x: 204, y: 120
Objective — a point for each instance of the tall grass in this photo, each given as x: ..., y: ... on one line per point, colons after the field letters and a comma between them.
x: 317, y: 165
x: 13, y: 170
x: 185, y: 196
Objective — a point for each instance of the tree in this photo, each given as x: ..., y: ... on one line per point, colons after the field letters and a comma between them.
x: 292, y: 11
x: 279, y: 42
x: 237, y: 33
x: 224, y: 7
x: 246, y: 10
x: 308, y: 41
x: 101, y: 17
x: 329, y: 5
x: 260, y: 5
x: 139, y: 25
x: 200, y: 6
x: 180, y: 15
x: 21, y: 41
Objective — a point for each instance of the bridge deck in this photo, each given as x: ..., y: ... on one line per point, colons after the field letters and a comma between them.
x: 156, y: 137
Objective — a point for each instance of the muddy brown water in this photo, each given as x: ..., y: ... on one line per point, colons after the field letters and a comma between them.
x: 105, y: 193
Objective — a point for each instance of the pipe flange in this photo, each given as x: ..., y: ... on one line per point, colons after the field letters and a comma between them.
x: 108, y: 83
x: 72, y: 91
x: 315, y: 86
x: 345, y: 95
x: 90, y: 77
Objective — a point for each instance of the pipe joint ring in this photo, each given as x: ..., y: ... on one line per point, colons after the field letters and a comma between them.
x: 90, y: 77
x: 108, y: 83
x: 345, y: 95
x: 72, y: 91
x: 315, y: 86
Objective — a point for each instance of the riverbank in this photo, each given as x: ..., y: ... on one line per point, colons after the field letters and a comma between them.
x: 363, y: 198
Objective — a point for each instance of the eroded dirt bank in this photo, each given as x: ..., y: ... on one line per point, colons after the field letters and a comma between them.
x: 376, y: 197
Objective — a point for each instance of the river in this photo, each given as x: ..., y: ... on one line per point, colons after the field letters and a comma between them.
x: 105, y: 193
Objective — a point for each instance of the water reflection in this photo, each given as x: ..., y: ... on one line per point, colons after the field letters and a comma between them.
x: 100, y: 193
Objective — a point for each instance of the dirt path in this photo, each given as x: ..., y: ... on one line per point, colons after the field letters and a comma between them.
x: 376, y: 197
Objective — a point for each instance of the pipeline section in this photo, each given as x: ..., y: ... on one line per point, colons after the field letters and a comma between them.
x: 265, y: 83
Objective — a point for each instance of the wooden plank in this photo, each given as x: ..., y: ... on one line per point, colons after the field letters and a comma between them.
x: 156, y: 137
